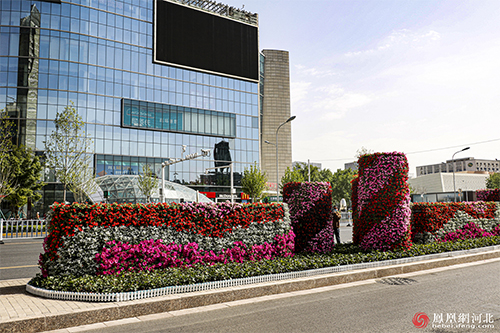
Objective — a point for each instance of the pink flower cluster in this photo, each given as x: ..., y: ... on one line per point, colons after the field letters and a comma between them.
x: 117, y: 257
x: 470, y: 230
x: 388, y: 233
x: 324, y: 241
x: 306, y: 197
x: 488, y: 195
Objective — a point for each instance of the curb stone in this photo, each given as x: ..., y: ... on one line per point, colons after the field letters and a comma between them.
x: 66, y: 314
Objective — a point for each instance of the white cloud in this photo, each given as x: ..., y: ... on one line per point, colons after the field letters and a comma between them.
x: 299, y: 91
x: 398, y: 38
x: 314, y: 72
x: 335, y: 101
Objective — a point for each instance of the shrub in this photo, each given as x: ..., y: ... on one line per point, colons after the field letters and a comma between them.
x: 310, y: 213
x: 381, y: 202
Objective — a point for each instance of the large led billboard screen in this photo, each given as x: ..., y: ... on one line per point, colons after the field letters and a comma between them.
x: 199, y: 40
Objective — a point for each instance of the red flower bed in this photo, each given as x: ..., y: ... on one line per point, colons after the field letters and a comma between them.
x: 207, y: 220
x: 431, y: 216
x: 488, y: 195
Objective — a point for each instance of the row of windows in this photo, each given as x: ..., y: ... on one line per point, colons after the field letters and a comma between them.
x: 139, y: 9
x: 117, y: 133
x: 137, y: 92
x: 96, y: 109
x: 84, y: 49
x: 83, y: 77
x: 174, y: 118
x: 123, y: 165
x: 75, y: 48
x: 106, y: 146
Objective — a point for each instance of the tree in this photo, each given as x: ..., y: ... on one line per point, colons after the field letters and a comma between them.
x: 68, y: 148
x: 292, y: 175
x: 28, y: 175
x: 493, y: 181
x: 300, y: 173
x: 7, y: 171
x: 84, y: 184
x: 363, y: 151
x: 254, y: 181
x: 341, y: 185
x: 147, y: 182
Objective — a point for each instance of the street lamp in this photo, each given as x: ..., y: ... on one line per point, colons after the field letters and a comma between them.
x: 277, y: 168
x: 453, y: 160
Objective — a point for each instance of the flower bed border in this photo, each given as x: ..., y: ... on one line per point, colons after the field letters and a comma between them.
x: 171, y: 290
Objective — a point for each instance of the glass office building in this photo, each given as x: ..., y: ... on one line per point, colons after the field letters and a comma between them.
x: 141, y: 102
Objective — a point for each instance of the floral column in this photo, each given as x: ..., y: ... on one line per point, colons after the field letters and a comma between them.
x: 310, y: 212
x: 381, y: 202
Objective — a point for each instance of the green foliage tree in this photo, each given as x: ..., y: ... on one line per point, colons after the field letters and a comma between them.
x: 341, y: 185
x: 493, y: 181
x: 83, y: 184
x: 254, y: 182
x: 8, y: 181
x: 68, y: 149
x: 292, y: 175
x: 300, y: 173
x: 147, y: 182
x: 28, y: 175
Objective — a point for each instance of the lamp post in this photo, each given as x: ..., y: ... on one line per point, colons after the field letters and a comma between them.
x: 453, y: 160
x: 277, y: 168
x: 170, y: 161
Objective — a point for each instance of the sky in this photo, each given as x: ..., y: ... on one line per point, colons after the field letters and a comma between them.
x: 414, y: 76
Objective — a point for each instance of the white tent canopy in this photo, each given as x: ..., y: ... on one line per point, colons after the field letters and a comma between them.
x: 125, y: 188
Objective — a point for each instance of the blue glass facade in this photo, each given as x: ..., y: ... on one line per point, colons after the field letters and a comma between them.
x: 99, y: 54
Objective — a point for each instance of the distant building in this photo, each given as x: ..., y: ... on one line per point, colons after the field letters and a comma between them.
x: 351, y: 165
x: 467, y: 164
x: 439, y: 187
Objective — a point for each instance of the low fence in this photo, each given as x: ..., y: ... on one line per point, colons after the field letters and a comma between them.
x: 22, y: 229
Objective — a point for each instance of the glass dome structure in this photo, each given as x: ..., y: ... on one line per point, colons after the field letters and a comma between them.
x: 125, y: 189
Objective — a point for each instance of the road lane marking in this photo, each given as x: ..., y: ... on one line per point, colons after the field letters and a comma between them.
x: 19, y: 267
x: 19, y: 242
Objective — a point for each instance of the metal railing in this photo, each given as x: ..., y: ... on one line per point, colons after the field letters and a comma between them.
x: 22, y: 229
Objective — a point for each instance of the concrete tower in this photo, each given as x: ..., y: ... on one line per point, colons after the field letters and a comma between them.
x: 275, y: 109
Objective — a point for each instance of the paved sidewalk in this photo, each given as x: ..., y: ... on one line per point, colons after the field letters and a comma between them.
x: 23, y: 312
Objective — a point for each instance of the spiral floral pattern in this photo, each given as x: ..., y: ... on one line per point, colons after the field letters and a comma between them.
x: 381, y: 202
x: 420, y: 320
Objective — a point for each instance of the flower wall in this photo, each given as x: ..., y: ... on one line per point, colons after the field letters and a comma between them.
x: 381, y: 202
x: 488, y: 195
x: 79, y: 232
x: 310, y: 206
x: 438, y: 221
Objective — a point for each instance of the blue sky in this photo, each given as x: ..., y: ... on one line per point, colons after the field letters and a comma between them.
x: 420, y: 77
